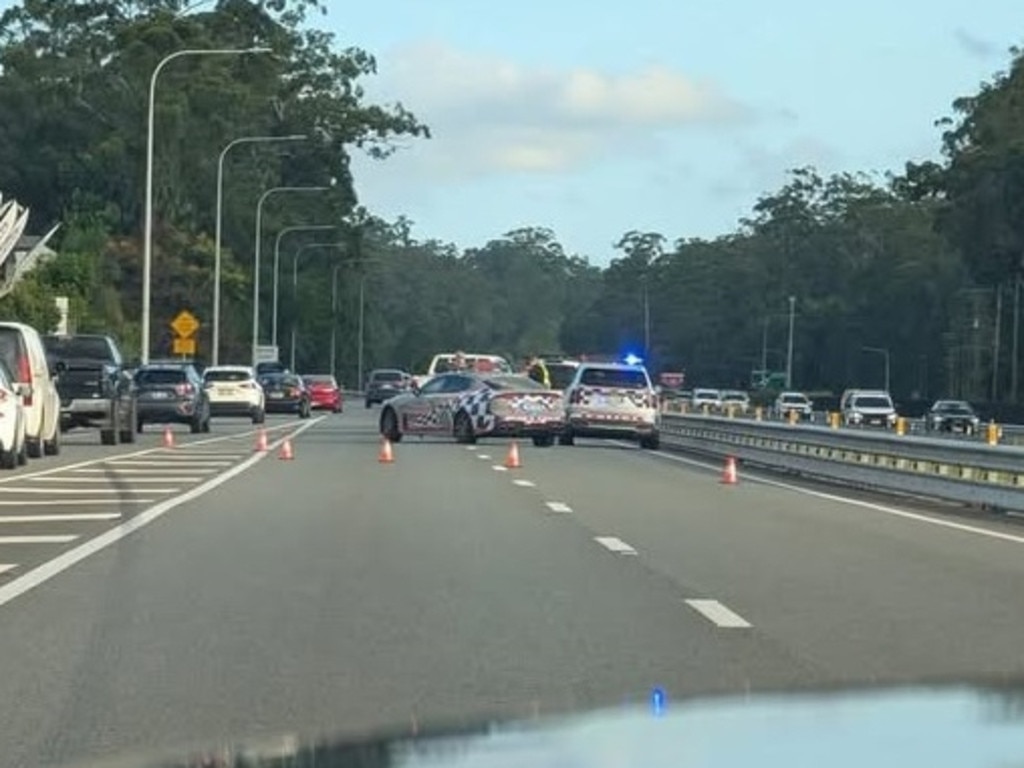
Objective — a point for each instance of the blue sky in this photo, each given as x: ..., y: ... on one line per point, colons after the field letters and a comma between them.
x: 597, y: 118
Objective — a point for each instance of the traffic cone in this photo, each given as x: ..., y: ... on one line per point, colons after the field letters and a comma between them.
x: 512, y: 459
x: 261, y: 441
x: 729, y: 476
x: 386, y: 455
x: 286, y: 454
x: 168, y: 437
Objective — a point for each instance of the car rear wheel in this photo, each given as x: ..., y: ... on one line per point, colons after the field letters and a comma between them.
x: 51, y: 447
x: 464, y: 432
x: 259, y: 416
x: 650, y: 442
x: 23, y: 454
x: 389, y: 425
x: 8, y: 459
x: 566, y: 438
x: 34, y: 447
x: 543, y: 441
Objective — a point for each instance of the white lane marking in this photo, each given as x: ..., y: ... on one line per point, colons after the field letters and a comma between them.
x: 85, y: 491
x: 470, y: 447
x: 4, y: 567
x: 559, y: 506
x: 525, y: 483
x: 65, y: 518
x: 483, y: 457
x: 499, y: 468
x: 917, y: 517
x: 59, y: 539
x: 185, y: 453
x: 43, y: 573
x: 152, y: 471
x: 72, y: 502
x: 165, y: 463
x: 143, y: 452
x: 78, y: 480
x: 718, y: 614
x: 615, y: 544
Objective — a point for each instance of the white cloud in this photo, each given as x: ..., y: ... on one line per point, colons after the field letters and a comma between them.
x: 492, y: 115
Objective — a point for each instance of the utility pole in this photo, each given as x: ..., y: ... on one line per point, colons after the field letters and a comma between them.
x: 1015, y: 339
x: 995, y: 342
x: 789, y: 351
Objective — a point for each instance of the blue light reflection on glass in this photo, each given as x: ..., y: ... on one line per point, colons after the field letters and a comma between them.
x: 658, y: 702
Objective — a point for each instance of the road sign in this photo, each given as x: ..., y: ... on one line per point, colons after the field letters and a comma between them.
x: 185, y: 324
x: 266, y: 353
x: 184, y: 346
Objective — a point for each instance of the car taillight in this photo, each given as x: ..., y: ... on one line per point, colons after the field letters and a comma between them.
x: 183, y: 389
x: 25, y: 376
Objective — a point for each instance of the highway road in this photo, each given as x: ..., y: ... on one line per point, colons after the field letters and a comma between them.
x: 235, y: 595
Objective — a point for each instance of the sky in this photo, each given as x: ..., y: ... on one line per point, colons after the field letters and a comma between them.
x: 594, y: 119
x: 674, y: 116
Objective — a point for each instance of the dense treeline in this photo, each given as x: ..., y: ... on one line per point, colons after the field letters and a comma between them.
x: 923, y: 266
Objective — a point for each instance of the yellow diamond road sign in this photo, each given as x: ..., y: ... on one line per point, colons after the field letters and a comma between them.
x: 185, y: 324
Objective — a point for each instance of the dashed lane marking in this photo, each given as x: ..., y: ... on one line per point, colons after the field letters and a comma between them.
x: 69, y: 517
x: 499, y: 468
x: 57, y: 539
x: 615, y: 544
x: 71, y: 502
x: 86, y: 491
x: 483, y: 457
x: 718, y: 614
x: 560, y: 507
x: 165, y: 462
x: 78, y: 480
x: 525, y: 483
x: 4, y: 567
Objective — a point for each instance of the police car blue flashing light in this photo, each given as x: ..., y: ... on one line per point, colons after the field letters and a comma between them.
x: 632, y: 359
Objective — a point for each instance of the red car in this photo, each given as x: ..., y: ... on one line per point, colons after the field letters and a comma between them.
x: 324, y: 392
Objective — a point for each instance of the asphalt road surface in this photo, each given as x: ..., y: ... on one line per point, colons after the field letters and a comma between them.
x: 231, y: 595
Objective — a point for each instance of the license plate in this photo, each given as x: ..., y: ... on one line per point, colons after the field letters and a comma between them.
x: 226, y: 391
x: 159, y: 395
x: 276, y: 395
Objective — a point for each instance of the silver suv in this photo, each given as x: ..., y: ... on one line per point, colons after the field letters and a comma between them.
x: 868, y: 407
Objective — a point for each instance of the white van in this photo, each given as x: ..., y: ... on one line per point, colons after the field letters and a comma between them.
x: 21, y: 348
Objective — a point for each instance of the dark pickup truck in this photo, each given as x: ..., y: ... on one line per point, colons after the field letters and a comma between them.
x: 96, y: 390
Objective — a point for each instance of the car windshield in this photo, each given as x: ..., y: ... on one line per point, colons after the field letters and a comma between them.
x: 737, y: 396
x: 71, y: 347
x: 387, y: 376
x: 955, y: 408
x: 561, y: 374
x: 227, y: 375
x: 320, y: 379
x: 617, y: 378
x: 795, y: 399
x: 707, y: 394
x: 512, y: 382
x: 159, y: 376
x: 871, y: 401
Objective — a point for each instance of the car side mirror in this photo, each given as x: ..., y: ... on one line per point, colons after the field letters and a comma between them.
x: 23, y: 389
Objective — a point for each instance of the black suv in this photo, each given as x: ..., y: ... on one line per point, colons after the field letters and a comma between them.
x: 172, y: 394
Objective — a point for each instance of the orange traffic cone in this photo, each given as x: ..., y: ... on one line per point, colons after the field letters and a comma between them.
x: 729, y: 476
x: 386, y: 455
x: 261, y: 441
x: 168, y: 437
x: 286, y: 454
x: 512, y: 459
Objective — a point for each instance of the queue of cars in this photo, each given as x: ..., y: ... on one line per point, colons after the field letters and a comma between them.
x: 479, y: 396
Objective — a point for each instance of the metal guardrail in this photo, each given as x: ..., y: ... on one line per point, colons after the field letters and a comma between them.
x: 951, y: 469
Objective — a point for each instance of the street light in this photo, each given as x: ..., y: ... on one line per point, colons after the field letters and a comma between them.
x: 885, y: 354
x: 147, y: 238
x: 789, y: 353
x: 256, y: 266
x: 217, y: 235
x: 277, y: 267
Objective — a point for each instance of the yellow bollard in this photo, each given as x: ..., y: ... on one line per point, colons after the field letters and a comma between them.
x: 992, y: 433
x: 706, y: 409
x: 833, y: 419
x: 759, y: 413
x: 792, y: 416
x: 901, y: 426
x: 731, y: 411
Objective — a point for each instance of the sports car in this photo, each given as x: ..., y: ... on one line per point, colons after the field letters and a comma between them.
x: 469, y: 406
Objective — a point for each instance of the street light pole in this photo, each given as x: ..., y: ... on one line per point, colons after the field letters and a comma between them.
x: 362, y: 284
x: 218, y: 225
x: 277, y: 268
x: 256, y: 258
x: 334, y: 322
x: 147, y: 237
x: 789, y: 352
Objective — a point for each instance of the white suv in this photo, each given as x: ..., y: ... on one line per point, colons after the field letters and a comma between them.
x: 868, y: 407
x: 232, y: 390
x: 612, y: 400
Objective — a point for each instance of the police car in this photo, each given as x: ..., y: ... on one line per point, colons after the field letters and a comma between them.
x: 612, y: 400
